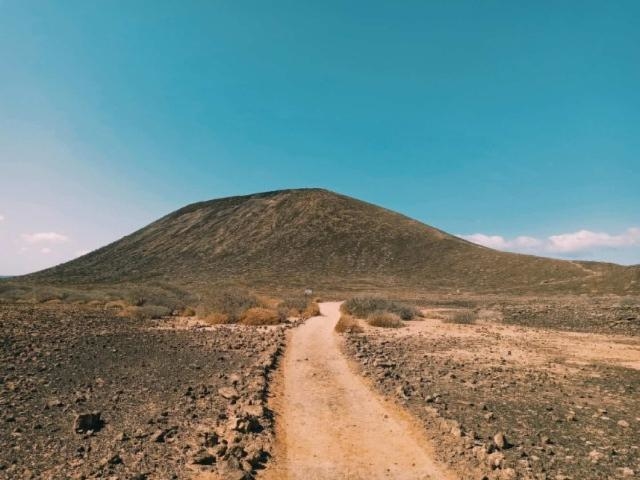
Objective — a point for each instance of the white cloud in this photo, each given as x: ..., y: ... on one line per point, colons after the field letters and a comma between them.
x: 586, y: 240
x: 2, y: 218
x: 500, y: 243
x: 45, y: 237
x: 80, y: 253
x: 491, y: 241
x: 564, y: 243
x: 45, y: 250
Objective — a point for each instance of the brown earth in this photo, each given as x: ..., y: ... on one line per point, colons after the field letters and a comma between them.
x: 333, y: 426
x: 567, y: 403
x: 507, y: 397
x: 173, y: 402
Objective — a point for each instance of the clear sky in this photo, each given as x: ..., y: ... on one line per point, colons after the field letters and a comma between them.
x: 515, y: 122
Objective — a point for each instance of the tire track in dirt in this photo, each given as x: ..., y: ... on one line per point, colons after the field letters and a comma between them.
x: 332, y: 425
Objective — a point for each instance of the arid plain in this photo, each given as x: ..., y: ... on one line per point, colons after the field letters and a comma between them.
x: 304, y: 334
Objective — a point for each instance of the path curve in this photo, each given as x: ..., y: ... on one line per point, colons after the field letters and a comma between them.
x: 333, y: 425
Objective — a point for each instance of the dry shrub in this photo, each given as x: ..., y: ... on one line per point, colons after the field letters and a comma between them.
x: 43, y: 295
x: 115, y: 304
x: 299, y: 307
x: 294, y: 305
x: 463, y: 317
x: 268, y: 302
x: 217, y: 319
x: 384, y: 320
x: 312, y: 310
x: 14, y: 293
x: 261, y: 316
x: 145, y: 312
x: 188, y: 312
x: 233, y: 303
x: 363, y: 307
x: 348, y: 324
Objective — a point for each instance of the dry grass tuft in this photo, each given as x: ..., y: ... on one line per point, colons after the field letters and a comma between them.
x: 362, y: 307
x: 233, y: 303
x: 217, y: 319
x: 463, y: 317
x: 312, y: 310
x: 384, y: 320
x: 115, y: 305
x: 348, y: 324
x: 261, y: 316
x: 299, y: 306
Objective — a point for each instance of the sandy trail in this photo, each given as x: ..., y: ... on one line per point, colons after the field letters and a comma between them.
x: 333, y: 426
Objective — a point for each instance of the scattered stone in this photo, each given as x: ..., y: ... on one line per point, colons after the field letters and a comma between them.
x: 595, y: 456
x: 229, y: 393
x: 626, y: 472
x: 87, y: 422
x: 500, y: 441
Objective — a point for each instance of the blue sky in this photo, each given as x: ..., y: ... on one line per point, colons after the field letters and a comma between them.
x: 515, y: 122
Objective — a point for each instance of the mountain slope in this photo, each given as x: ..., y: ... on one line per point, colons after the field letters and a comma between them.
x: 294, y: 238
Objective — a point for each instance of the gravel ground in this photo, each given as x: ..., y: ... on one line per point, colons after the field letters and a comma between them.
x: 503, y: 409
x: 577, y: 316
x: 171, y: 402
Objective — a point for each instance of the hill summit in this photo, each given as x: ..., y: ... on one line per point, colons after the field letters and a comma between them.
x: 314, y: 237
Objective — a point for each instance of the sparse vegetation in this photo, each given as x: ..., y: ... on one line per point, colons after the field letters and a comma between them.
x: 299, y: 306
x: 232, y: 303
x: 384, y: 320
x: 362, y: 307
x: 115, y: 305
x: 217, y: 319
x: 348, y: 324
x: 296, y: 305
x: 462, y: 317
x: 261, y: 316
x: 312, y: 310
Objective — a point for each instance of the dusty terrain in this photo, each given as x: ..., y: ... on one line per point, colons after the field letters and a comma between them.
x: 506, y: 397
x: 332, y: 425
x: 173, y: 402
x: 507, y: 401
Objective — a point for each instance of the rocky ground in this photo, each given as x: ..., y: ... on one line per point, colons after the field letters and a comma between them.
x: 578, y: 315
x: 85, y: 394
x: 506, y: 402
x: 575, y: 313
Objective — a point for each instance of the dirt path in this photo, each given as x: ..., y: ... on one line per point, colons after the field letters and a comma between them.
x: 333, y: 426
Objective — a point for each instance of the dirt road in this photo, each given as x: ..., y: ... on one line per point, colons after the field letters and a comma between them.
x: 333, y: 426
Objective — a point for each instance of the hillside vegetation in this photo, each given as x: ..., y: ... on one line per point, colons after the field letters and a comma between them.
x: 291, y: 239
